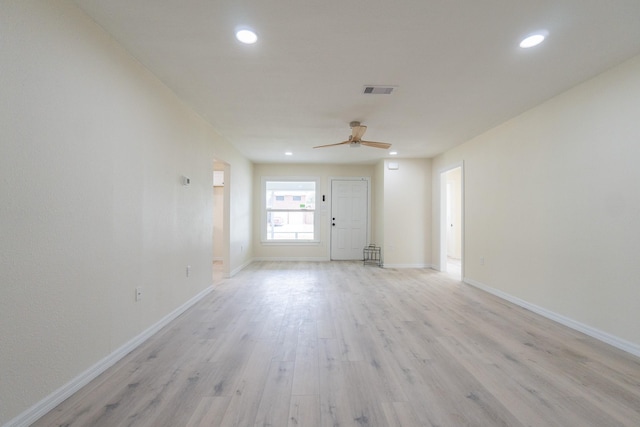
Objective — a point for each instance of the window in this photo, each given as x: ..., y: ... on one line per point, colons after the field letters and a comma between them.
x: 289, y: 214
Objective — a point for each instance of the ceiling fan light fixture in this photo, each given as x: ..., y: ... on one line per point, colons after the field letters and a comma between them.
x: 355, y: 139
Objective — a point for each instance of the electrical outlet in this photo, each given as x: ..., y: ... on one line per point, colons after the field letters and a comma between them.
x: 138, y: 293
x: 482, y: 261
x: 188, y: 270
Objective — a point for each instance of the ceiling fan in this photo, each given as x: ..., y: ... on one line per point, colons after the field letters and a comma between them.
x: 355, y: 139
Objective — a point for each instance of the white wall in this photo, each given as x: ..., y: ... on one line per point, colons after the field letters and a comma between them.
x: 239, y: 181
x: 319, y: 251
x: 378, y: 205
x: 218, y: 224
x: 407, y: 213
x: 552, y: 204
x: 92, y: 151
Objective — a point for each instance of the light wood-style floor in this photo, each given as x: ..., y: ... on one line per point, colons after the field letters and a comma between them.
x: 341, y: 344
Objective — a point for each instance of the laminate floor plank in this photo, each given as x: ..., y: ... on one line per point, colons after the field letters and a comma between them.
x: 209, y: 411
x: 276, y: 398
x: 334, y: 393
x: 342, y: 344
x: 244, y: 404
x: 304, y: 411
x: 399, y: 414
x: 306, y: 374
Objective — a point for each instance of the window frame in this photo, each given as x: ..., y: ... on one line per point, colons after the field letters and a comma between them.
x: 265, y: 211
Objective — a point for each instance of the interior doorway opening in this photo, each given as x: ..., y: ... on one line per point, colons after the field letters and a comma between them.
x: 452, y: 221
x: 220, y: 234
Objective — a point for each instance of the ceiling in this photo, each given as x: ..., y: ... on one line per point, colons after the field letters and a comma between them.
x: 455, y: 64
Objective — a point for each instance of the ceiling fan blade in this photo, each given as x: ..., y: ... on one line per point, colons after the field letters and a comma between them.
x: 357, y: 132
x: 331, y: 145
x: 382, y: 145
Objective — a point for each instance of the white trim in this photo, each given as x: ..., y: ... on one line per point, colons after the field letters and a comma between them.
x: 307, y: 259
x: 399, y: 266
x: 47, y: 404
x: 283, y: 242
x: 605, y: 337
x: 443, y: 215
x: 240, y: 268
x: 315, y: 210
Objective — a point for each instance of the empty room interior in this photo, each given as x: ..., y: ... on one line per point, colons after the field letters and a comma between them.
x: 336, y: 213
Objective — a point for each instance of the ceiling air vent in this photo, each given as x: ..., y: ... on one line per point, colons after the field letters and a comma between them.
x: 378, y: 90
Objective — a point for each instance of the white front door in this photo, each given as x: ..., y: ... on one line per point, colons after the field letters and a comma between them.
x: 349, y: 218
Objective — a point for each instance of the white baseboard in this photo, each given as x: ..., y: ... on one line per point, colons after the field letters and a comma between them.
x: 38, y: 410
x: 325, y: 259
x: 240, y: 268
x: 399, y: 266
x: 610, y: 339
x: 293, y: 259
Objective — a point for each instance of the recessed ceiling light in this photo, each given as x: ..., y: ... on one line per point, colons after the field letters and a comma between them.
x: 288, y: 153
x: 533, y: 40
x: 247, y: 36
x: 393, y: 153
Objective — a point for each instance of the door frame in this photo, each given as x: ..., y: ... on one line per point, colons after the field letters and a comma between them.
x: 221, y: 165
x: 443, y: 218
x: 348, y: 178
